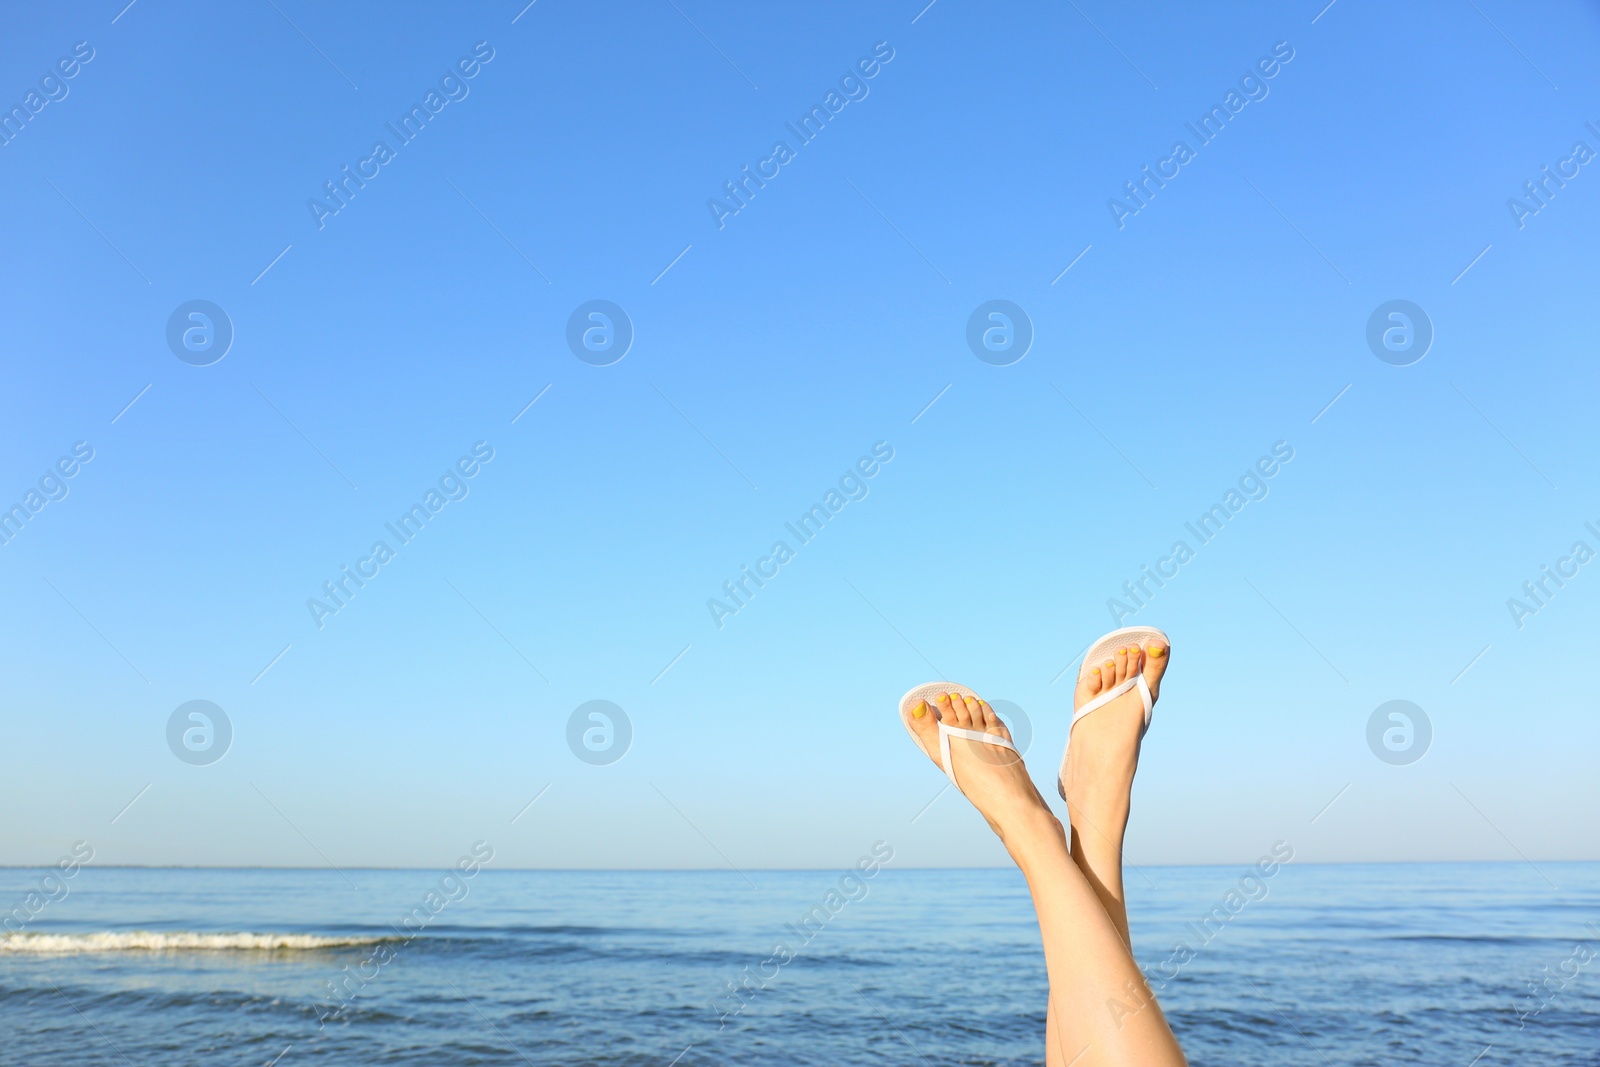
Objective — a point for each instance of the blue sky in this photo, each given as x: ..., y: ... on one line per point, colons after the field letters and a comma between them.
x: 771, y: 353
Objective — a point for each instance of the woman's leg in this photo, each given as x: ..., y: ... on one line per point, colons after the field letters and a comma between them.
x: 1099, y: 791
x: 1103, y: 1014
x: 1052, y: 1040
x: 1099, y: 779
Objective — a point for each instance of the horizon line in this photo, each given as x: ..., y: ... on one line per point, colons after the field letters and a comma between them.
x: 723, y: 870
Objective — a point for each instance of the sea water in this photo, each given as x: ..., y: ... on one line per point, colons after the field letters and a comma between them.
x: 1457, y: 964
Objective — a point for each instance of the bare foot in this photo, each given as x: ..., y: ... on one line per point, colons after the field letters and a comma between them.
x: 992, y: 777
x: 1097, y: 782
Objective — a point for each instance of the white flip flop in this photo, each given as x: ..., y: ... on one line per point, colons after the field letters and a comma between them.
x: 929, y: 691
x: 1097, y: 653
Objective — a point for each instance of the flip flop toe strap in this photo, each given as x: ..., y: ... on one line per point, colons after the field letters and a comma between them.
x: 1113, y: 693
x: 1099, y: 702
x: 946, y: 732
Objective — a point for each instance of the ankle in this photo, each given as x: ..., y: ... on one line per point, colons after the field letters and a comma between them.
x: 1099, y: 816
x: 1037, y: 828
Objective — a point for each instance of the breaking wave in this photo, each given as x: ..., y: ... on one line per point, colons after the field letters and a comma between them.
x: 172, y: 941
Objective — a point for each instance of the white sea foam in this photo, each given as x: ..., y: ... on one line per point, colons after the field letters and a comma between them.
x: 171, y: 941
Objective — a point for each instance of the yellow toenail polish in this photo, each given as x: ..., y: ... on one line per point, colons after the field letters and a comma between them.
x: 1094, y: 670
x: 920, y: 710
x: 1157, y: 650
x: 1122, y: 652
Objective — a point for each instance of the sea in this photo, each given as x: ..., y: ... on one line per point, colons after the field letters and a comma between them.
x: 1468, y: 965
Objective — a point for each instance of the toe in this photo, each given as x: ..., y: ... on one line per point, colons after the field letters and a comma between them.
x: 992, y: 723
x: 1088, y: 686
x: 925, y: 724
x: 1122, y: 664
x: 964, y: 707
x: 1155, y: 665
